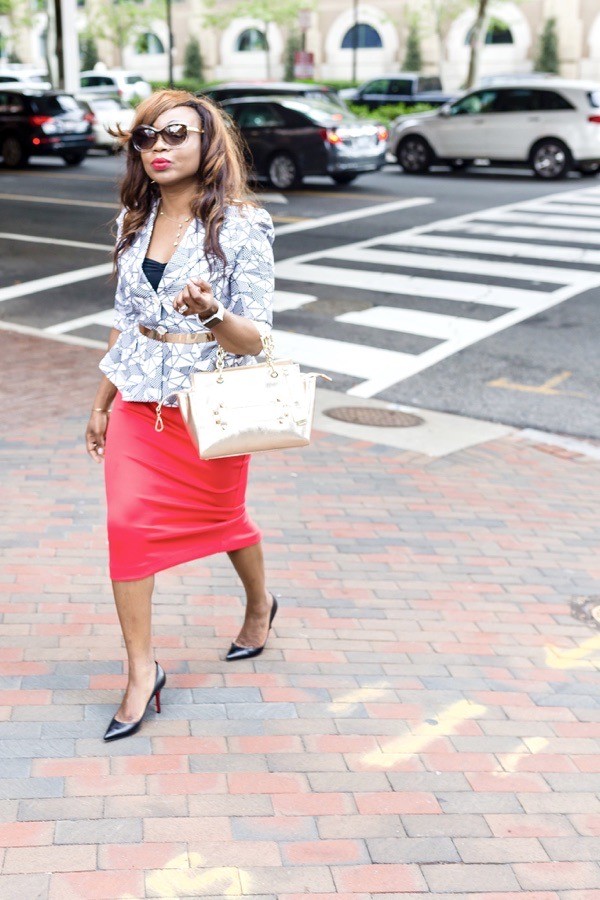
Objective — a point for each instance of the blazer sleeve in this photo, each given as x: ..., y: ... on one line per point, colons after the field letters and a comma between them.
x: 252, y: 278
x: 124, y: 314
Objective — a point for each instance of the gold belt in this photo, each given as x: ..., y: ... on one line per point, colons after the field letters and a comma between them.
x: 170, y: 337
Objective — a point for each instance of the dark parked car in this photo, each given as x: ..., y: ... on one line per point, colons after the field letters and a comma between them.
x: 288, y: 139
x: 34, y: 123
x: 404, y: 87
x: 236, y: 89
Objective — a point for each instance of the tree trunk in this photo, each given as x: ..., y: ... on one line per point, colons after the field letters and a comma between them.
x: 268, y: 50
x: 476, y: 42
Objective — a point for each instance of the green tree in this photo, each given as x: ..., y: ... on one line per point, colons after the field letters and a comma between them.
x: 193, y: 64
x: 547, y: 59
x: 292, y: 45
x: 88, y: 51
x: 413, y: 61
x: 117, y: 21
x: 283, y: 13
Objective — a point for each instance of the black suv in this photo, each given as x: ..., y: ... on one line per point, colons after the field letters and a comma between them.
x: 235, y: 90
x: 36, y: 122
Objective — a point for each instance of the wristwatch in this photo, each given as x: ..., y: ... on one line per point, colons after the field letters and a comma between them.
x: 215, y: 318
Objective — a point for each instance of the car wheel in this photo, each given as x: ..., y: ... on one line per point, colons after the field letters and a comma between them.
x: 551, y: 159
x: 13, y: 152
x: 74, y: 157
x: 283, y: 172
x: 414, y: 155
x: 345, y: 177
x: 589, y: 170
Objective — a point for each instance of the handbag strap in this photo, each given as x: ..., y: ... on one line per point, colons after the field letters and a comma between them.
x: 269, y: 351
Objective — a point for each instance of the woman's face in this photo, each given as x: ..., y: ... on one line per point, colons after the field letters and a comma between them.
x: 167, y: 165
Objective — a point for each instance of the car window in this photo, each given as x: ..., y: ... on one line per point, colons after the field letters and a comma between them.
x: 594, y: 99
x: 6, y: 78
x: 11, y: 104
x: 550, y: 100
x: 518, y: 100
x: 322, y: 113
x: 380, y: 86
x: 400, y: 86
x: 259, y: 115
x: 475, y: 104
x: 133, y: 79
x: 107, y: 105
x: 54, y: 105
x: 430, y: 84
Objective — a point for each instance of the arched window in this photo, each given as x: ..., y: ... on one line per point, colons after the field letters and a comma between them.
x: 363, y: 36
x: 148, y: 43
x: 251, y: 39
x: 498, y: 32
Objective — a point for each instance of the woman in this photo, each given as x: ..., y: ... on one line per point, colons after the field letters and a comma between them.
x: 195, y: 271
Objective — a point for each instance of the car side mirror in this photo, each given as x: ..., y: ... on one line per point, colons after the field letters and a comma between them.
x: 444, y: 111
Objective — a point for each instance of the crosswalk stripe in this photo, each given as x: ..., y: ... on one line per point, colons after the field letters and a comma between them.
x: 465, y: 266
x: 414, y: 321
x: 498, y: 248
x: 543, y: 219
x: 531, y: 233
x: 568, y: 208
x: 358, y: 360
x: 417, y: 286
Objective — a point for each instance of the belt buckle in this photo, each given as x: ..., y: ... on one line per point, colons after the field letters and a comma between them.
x: 161, y: 330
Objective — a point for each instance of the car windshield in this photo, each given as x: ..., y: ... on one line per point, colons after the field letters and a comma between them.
x: 322, y: 112
x: 133, y: 79
x: 54, y: 105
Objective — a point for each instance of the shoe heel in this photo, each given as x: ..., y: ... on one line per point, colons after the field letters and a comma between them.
x: 157, y: 700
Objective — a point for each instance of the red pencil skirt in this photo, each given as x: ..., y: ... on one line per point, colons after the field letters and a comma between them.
x: 166, y: 505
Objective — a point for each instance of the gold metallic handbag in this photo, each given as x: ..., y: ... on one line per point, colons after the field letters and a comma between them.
x: 244, y: 409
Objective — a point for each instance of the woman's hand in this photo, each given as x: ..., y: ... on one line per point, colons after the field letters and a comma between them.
x: 95, y: 435
x: 196, y: 299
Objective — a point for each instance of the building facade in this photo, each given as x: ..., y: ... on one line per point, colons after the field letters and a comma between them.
x: 238, y: 50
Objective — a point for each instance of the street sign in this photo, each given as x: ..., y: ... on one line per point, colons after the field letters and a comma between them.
x: 304, y: 64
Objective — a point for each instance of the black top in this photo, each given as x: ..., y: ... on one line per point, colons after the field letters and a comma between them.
x: 153, y: 270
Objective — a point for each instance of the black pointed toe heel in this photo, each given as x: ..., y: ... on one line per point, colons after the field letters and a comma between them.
x: 118, y: 729
x: 237, y: 652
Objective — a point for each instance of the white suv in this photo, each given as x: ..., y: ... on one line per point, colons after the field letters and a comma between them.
x: 125, y: 85
x: 551, y: 125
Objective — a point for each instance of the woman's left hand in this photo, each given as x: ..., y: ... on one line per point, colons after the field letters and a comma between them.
x: 196, y: 299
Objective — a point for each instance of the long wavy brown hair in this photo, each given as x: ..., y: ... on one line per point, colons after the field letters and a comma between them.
x: 222, y: 175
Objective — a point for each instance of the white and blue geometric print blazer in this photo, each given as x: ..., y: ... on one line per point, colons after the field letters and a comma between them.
x: 150, y: 371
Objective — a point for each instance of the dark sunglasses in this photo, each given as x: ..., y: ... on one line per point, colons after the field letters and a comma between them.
x: 144, y: 137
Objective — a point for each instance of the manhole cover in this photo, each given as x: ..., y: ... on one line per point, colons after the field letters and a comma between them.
x: 366, y: 415
x: 587, y: 609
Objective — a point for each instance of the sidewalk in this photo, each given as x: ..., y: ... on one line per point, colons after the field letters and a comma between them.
x: 425, y: 720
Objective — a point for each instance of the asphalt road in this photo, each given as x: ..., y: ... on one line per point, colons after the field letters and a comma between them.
x: 416, y: 290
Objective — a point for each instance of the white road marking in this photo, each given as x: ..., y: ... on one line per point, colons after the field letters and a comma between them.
x: 60, y: 242
x: 415, y: 286
x: 531, y: 233
x: 358, y: 360
x: 545, y: 220
x: 104, y: 317
x: 351, y: 215
x: 414, y: 321
x: 284, y: 300
x: 53, y: 281
x: 60, y: 201
x: 466, y: 266
x: 507, y: 249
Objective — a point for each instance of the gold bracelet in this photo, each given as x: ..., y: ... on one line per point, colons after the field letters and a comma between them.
x: 99, y: 409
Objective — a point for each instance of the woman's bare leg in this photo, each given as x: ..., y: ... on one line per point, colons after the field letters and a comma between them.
x: 249, y: 564
x: 133, y: 600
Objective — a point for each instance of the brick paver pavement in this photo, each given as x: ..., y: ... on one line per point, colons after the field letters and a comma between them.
x: 425, y: 720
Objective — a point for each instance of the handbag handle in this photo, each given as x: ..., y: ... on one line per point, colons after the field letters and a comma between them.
x: 269, y: 350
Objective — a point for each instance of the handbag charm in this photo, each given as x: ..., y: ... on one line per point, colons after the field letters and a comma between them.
x: 246, y: 409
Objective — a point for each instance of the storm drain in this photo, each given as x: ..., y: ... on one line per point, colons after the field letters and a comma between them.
x: 587, y: 609
x: 380, y: 418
